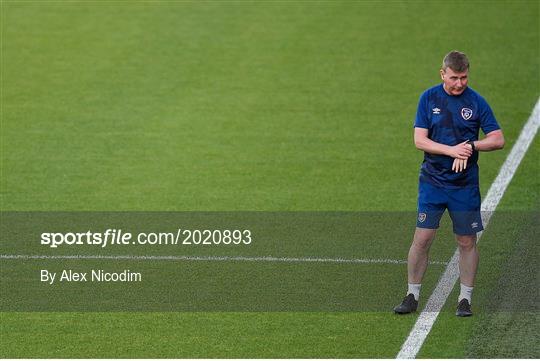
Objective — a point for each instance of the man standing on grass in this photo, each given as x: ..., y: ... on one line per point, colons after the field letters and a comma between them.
x: 446, y: 128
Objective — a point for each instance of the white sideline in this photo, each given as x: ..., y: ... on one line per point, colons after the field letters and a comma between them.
x: 427, y: 317
x: 215, y: 258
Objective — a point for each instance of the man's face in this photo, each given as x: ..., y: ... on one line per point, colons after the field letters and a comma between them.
x: 454, y: 83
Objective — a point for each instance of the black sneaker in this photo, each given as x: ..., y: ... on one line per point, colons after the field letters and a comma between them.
x: 408, y: 305
x: 463, y: 308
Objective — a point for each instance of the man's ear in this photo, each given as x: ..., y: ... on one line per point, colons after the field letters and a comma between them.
x: 442, y: 73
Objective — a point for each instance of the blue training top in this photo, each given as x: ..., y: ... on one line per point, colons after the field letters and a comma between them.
x: 452, y: 120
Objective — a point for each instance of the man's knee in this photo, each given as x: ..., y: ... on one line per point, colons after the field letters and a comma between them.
x: 466, y: 242
x: 423, y: 237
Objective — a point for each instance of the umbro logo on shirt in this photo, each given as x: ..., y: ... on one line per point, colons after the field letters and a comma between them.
x: 436, y: 111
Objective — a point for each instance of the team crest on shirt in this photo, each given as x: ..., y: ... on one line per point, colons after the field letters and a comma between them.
x: 466, y: 113
x: 422, y: 217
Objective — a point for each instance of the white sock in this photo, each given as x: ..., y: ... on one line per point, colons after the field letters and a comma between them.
x: 466, y: 292
x: 414, y: 288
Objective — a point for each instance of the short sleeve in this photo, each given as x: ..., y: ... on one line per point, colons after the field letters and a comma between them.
x: 488, y: 123
x: 422, y: 120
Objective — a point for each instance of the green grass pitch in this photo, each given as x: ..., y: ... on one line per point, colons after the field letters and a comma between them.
x: 281, y: 106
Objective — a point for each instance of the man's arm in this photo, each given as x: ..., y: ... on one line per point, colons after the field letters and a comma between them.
x: 494, y: 140
x: 422, y: 142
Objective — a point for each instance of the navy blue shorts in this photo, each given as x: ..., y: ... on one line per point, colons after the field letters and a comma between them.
x: 463, y: 204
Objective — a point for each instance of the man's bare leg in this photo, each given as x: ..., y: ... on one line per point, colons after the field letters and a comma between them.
x: 416, y: 267
x: 468, y: 264
x: 468, y: 259
x: 419, y: 254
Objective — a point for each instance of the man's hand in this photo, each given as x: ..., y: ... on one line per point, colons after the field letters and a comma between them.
x: 460, y: 151
x: 459, y: 165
